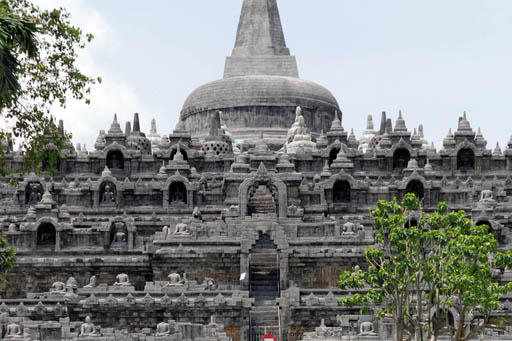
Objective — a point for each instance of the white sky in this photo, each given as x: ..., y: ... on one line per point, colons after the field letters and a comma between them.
x: 431, y: 59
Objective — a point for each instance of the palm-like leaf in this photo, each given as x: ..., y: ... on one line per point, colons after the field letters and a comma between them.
x: 17, y: 35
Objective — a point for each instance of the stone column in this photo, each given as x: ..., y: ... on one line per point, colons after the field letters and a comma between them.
x: 283, y: 270
x: 96, y: 198
x: 130, y: 240
x: 244, y: 267
x: 57, y: 240
x: 165, y: 203
x: 190, y: 199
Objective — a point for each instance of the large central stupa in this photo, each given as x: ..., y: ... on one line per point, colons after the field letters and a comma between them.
x: 261, y: 87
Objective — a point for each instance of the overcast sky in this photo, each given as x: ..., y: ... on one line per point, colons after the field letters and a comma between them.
x: 431, y: 59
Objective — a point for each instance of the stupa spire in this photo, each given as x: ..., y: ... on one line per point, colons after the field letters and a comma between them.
x: 259, y: 31
x: 260, y: 47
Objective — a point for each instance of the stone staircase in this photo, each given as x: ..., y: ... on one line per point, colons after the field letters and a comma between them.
x: 264, y: 320
x: 264, y: 272
x: 264, y: 288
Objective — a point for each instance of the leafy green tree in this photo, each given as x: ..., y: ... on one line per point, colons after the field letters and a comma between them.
x: 426, y: 265
x: 16, y: 33
x: 7, y: 257
x: 39, y: 71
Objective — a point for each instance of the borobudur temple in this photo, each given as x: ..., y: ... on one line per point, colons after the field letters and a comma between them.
x: 238, y: 222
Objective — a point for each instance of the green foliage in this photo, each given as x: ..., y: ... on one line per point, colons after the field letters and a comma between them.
x: 15, y: 33
x: 39, y: 73
x: 7, y: 257
x: 416, y: 274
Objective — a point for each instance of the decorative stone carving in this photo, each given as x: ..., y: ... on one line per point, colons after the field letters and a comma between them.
x: 367, y: 329
x: 148, y: 299
x: 34, y: 193
x: 311, y: 300
x: 58, y: 288
x: 487, y: 196
x: 13, y: 227
x: 40, y: 308
x: 163, y: 329
x: 487, y: 201
x: 60, y: 310
x: 87, y: 328
x: 91, y: 300
x: 122, y: 280
x: 176, y: 280
x: 111, y: 300
x: 108, y: 195
x: 196, y: 214
x: 181, y: 229
x: 182, y: 300
x: 331, y: 299
x: 14, y: 331
x: 219, y: 299
x: 298, y: 138
x: 22, y: 310
x: 129, y: 299
x: 349, y: 228
x: 71, y: 284
x: 92, y: 282
x: 165, y: 300
x: 119, y: 233
x: 210, y: 283
x: 200, y: 300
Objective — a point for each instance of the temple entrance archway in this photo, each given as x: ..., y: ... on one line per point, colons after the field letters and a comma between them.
x: 341, y: 192
x: 178, y: 193
x: 262, y: 200
x: 465, y: 159
x: 46, y: 235
x: 115, y: 160
x: 416, y: 187
x: 401, y: 158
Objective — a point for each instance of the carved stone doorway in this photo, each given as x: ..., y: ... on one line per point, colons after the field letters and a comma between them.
x: 264, y: 270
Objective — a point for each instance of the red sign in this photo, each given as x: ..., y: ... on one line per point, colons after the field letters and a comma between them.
x: 269, y: 337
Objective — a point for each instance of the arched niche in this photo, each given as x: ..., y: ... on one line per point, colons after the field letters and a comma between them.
x: 33, y: 193
x: 278, y: 187
x: 118, y: 234
x: 341, y: 192
x: 327, y: 194
x: 46, y: 235
x: 178, y: 193
x: 173, y: 200
x: 333, y: 155
x: 444, y: 320
x: 108, y: 194
x: 411, y: 222
x: 262, y: 199
x: 401, y: 158
x: 465, y: 159
x: 416, y: 187
x: 115, y: 160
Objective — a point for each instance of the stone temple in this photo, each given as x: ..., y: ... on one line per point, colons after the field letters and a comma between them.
x: 238, y: 222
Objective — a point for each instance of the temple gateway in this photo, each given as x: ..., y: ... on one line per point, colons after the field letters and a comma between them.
x: 238, y: 222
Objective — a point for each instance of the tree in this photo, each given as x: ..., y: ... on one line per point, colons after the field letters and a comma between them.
x: 16, y: 33
x: 419, y: 273
x: 7, y: 257
x: 39, y: 70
